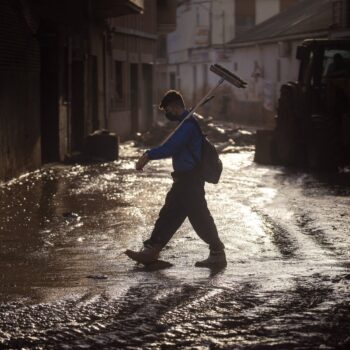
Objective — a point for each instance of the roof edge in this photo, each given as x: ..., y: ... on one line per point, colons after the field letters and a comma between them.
x: 279, y: 38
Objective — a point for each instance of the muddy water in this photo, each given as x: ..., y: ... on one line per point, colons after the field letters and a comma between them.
x: 64, y: 282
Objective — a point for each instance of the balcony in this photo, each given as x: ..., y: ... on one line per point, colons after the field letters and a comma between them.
x: 116, y: 8
x: 69, y: 11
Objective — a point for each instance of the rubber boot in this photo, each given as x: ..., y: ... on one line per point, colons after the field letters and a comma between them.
x: 146, y: 256
x: 215, y: 259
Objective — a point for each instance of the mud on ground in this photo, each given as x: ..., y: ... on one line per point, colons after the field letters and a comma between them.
x: 65, y: 284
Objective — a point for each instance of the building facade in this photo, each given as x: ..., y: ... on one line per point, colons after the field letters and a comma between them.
x: 265, y: 56
x: 204, y: 29
x: 68, y: 68
x: 133, y: 66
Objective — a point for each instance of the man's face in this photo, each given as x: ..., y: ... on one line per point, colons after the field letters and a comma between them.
x: 171, y: 113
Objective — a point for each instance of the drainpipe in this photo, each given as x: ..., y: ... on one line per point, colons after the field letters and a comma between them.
x: 224, y: 31
x: 105, y: 84
x: 69, y: 107
x: 211, y: 23
x: 88, y: 111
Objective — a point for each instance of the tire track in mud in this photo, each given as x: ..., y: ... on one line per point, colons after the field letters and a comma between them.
x: 141, y: 319
x: 289, y: 242
x: 182, y: 316
x: 281, y: 238
x: 300, y: 229
x: 249, y: 316
x: 247, y: 187
x: 336, y: 246
x: 321, y: 210
x: 133, y: 318
x: 246, y: 194
x: 306, y: 223
x: 105, y: 321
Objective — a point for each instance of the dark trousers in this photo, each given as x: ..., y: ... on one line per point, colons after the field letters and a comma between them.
x: 186, y: 198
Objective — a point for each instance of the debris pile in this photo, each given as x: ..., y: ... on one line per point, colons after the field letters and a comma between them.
x: 227, y: 136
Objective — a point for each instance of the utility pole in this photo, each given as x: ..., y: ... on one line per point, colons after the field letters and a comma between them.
x: 210, y: 23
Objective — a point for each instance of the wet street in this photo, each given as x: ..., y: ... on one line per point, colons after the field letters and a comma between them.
x: 66, y: 284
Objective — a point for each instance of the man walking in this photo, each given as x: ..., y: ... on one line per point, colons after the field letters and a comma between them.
x: 186, y: 197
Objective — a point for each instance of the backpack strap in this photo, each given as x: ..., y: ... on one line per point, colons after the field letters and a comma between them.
x: 197, y: 161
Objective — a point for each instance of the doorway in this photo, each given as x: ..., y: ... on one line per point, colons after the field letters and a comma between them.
x: 93, y: 90
x: 49, y: 96
x: 134, y: 97
x: 77, y: 119
x: 147, y: 72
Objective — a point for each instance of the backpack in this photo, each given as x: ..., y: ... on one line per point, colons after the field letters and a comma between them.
x: 210, y: 164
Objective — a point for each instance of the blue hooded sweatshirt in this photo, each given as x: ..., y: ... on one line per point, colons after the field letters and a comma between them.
x: 182, y: 146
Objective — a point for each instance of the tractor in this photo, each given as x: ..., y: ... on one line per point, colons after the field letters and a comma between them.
x: 313, y: 116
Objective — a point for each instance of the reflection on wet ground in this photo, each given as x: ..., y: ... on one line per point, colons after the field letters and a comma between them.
x: 64, y: 282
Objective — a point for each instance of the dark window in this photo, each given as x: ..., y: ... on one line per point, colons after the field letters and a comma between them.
x: 205, y: 77
x: 119, y: 86
x: 194, y: 82
x: 162, y: 47
x: 172, y: 81
x: 245, y: 15
x: 278, y: 70
x: 335, y: 62
x: 338, y: 13
x: 285, y: 4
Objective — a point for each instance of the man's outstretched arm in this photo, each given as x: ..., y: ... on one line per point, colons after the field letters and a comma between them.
x: 169, y: 148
